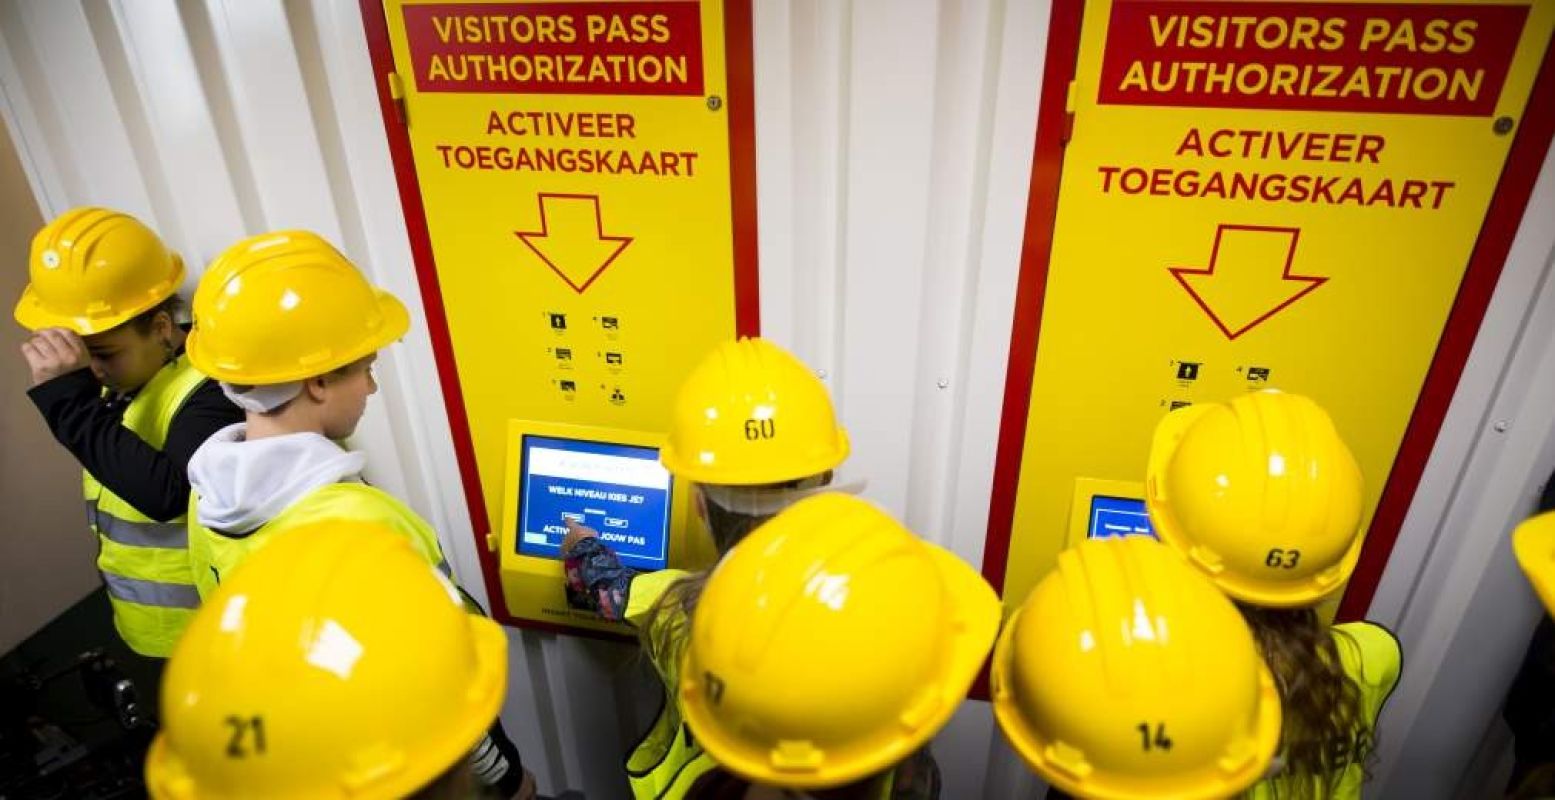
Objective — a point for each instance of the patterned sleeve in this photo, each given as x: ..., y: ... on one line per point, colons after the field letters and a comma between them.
x: 597, y: 581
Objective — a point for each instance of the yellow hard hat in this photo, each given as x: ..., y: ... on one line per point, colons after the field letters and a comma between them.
x: 751, y: 413
x: 93, y: 269
x: 1534, y: 544
x: 830, y: 644
x: 1126, y: 675
x: 334, y: 663
x: 286, y: 306
x: 1261, y: 494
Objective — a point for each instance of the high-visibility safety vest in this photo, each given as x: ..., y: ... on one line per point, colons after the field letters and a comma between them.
x: 213, y: 555
x: 145, y: 563
x: 1372, y: 658
x: 666, y: 760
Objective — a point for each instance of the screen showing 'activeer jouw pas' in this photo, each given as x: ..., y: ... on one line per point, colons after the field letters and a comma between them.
x: 621, y: 491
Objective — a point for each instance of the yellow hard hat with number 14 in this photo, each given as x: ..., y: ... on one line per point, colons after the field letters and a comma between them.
x: 1126, y: 675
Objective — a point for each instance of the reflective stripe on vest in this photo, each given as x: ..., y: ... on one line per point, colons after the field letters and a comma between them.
x: 172, y: 535
x: 144, y: 562
x: 213, y: 555
x: 152, y: 593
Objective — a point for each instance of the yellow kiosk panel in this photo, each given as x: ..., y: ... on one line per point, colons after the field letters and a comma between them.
x: 578, y: 180
x: 1229, y: 196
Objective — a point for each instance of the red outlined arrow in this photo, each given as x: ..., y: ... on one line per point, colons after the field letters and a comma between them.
x: 1254, y: 281
x: 571, y: 240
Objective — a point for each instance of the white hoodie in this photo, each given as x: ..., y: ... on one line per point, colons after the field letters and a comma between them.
x: 242, y: 484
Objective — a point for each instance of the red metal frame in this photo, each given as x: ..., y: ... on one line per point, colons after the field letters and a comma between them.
x: 742, y: 162
x: 1495, y: 240
x: 1502, y: 220
x: 1047, y: 163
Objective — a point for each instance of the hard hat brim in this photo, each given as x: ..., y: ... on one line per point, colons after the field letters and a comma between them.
x: 396, y: 323
x: 31, y: 313
x: 1533, y: 542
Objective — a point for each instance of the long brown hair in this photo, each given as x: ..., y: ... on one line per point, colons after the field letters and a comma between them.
x: 1325, y: 727
x: 667, y: 625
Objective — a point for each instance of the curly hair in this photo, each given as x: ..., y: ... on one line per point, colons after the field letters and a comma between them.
x: 1325, y: 725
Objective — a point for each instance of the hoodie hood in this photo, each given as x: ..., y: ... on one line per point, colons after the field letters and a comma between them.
x: 243, y: 484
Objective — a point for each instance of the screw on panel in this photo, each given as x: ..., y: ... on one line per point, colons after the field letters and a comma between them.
x: 820, y: 373
x: 714, y: 102
x: 1501, y: 425
x: 1503, y: 125
x: 943, y: 383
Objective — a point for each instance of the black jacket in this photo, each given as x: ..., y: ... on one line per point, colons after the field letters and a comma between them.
x: 88, y: 424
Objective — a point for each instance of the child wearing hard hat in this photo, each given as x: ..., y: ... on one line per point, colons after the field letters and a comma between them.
x: 110, y: 378
x: 291, y: 328
x: 827, y: 649
x: 754, y: 430
x: 1125, y: 674
x: 337, y: 663
x: 1262, y: 495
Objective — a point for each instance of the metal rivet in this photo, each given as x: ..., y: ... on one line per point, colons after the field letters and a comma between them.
x: 820, y: 373
x: 1503, y: 125
x: 1501, y: 425
x: 943, y: 383
x: 714, y: 102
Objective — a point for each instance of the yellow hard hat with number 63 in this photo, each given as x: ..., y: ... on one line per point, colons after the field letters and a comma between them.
x: 751, y: 413
x: 93, y: 269
x: 1534, y: 545
x: 285, y: 306
x: 1261, y: 494
x: 1127, y: 675
x: 335, y: 663
x: 830, y: 644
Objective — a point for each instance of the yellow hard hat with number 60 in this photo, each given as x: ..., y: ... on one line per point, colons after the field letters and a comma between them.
x: 830, y: 644
x: 1261, y: 494
x: 1127, y: 675
x: 93, y: 269
x: 1534, y: 545
x: 285, y: 306
x: 335, y: 663
x: 751, y: 413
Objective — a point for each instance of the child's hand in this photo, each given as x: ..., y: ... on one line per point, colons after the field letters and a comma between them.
x: 576, y: 533
x: 52, y: 352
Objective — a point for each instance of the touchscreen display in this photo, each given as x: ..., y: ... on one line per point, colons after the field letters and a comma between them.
x: 619, y: 490
x: 1118, y: 516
